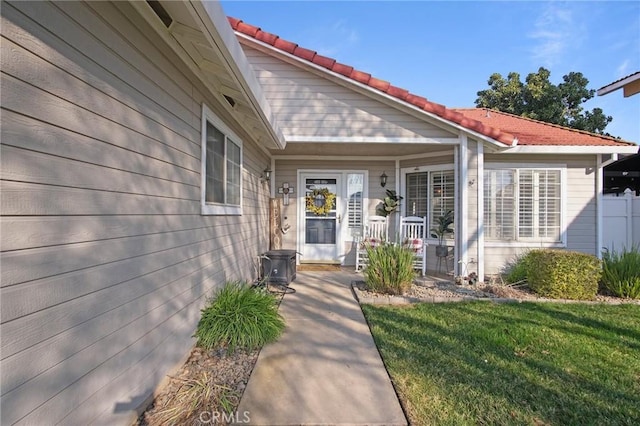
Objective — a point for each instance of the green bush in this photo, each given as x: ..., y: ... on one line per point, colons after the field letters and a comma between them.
x: 239, y: 316
x: 389, y: 269
x: 621, y: 273
x: 518, y: 269
x: 561, y: 274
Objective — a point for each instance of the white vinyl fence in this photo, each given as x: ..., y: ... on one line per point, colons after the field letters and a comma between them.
x: 621, y: 221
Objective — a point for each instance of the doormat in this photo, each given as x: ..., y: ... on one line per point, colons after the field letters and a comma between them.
x: 318, y: 267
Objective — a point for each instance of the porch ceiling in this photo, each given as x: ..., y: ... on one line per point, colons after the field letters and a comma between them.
x: 391, y: 150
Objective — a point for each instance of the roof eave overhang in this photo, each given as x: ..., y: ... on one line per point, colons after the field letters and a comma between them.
x: 618, y: 84
x: 214, y: 24
x: 365, y: 89
x: 571, y: 149
x: 202, y: 21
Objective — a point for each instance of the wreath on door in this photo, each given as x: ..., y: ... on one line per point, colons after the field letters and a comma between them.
x: 320, y: 201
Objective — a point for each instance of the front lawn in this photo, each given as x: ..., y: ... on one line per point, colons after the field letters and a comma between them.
x: 526, y: 364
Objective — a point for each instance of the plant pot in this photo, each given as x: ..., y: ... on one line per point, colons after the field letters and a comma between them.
x: 442, y: 251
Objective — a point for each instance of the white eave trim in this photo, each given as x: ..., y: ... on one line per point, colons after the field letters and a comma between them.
x: 214, y: 23
x: 618, y: 84
x: 570, y: 149
x: 288, y: 57
x: 370, y: 139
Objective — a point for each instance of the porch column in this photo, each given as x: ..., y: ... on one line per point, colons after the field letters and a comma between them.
x: 462, y: 210
x: 480, y: 183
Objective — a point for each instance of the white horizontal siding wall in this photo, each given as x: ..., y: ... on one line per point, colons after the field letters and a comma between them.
x: 106, y: 260
x: 308, y: 105
x: 580, y: 208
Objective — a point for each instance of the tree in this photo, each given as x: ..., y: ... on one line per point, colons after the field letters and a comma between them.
x: 542, y: 100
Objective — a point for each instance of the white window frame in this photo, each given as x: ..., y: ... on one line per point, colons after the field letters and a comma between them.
x: 449, y: 239
x: 208, y: 208
x: 527, y: 241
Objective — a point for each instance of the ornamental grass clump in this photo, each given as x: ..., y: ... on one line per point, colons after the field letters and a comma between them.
x: 563, y: 274
x: 621, y: 272
x: 239, y: 317
x: 518, y: 270
x: 389, y: 269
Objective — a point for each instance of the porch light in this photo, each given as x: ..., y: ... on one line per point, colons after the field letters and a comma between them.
x: 266, y: 174
x: 383, y: 179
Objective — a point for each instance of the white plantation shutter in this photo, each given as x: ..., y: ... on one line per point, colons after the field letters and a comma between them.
x: 416, y: 197
x: 522, y: 204
x: 355, y: 188
x: 442, y: 195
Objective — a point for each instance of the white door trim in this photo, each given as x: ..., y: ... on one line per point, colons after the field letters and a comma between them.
x: 343, y: 236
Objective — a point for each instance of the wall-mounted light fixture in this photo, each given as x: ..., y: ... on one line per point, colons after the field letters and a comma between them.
x: 383, y: 179
x: 266, y: 175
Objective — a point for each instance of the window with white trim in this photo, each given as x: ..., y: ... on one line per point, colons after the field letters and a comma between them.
x: 523, y: 205
x: 431, y: 194
x: 221, y: 192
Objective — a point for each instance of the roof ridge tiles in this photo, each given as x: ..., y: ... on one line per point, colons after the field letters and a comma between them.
x: 368, y: 80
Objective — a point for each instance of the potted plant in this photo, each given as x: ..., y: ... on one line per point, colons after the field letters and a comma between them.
x: 440, y: 232
x: 390, y: 204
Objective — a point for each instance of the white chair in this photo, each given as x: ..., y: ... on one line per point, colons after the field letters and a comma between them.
x: 413, y: 234
x: 375, y: 232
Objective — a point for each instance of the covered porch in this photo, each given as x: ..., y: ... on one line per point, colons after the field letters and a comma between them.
x: 426, y: 175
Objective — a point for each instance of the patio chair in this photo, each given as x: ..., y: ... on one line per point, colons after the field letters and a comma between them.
x: 375, y: 232
x: 413, y: 234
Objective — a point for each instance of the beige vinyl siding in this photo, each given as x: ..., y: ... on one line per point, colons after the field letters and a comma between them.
x: 580, y: 207
x: 308, y: 105
x: 106, y: 260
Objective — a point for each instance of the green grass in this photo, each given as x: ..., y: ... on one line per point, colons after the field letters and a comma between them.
x: 522, y: 364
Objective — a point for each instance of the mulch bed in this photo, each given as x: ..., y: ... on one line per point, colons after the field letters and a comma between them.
x: 225, y: 375
x: 442, y: 290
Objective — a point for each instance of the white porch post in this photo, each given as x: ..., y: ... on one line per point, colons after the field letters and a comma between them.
x: 461, y: 257
x: 480, y: 188
x: 599, y: 201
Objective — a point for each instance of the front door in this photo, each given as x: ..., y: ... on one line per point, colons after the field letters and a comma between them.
x: 321, y: 218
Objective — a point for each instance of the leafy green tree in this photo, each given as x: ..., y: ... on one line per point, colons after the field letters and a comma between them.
x: 539, y: 99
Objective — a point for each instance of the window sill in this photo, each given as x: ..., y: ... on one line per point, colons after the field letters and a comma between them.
x: 219, y: 210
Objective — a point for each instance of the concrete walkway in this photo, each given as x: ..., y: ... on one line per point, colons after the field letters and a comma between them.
x: 325, y: 369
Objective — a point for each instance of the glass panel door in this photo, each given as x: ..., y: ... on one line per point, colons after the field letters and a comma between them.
x: 321, y: 218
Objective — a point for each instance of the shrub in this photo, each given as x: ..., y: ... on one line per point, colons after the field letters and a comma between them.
x: 561, y: 274
x: 389, y: 269
x: 621, y: 272
x: 239, y: 316
x: 518, y: 269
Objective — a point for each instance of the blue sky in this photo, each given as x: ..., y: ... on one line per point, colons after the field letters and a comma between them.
x: 446, y: 51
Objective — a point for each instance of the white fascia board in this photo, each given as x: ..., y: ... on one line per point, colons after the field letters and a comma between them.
x: 215, y: 26
x: 618, y: 84
x: 373, y: 139
x: 570, y: 149
x: 360, y: 87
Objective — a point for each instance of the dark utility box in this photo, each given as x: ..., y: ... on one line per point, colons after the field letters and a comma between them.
x: 281, y: 264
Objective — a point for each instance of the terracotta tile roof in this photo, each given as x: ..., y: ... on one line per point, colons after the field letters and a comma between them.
x: 505, y: 129
x: 534, y: 132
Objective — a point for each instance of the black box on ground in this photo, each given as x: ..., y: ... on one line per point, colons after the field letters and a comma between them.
x: 280, y: 266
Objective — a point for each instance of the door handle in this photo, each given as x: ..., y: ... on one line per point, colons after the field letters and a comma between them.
x: 339, y: 217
